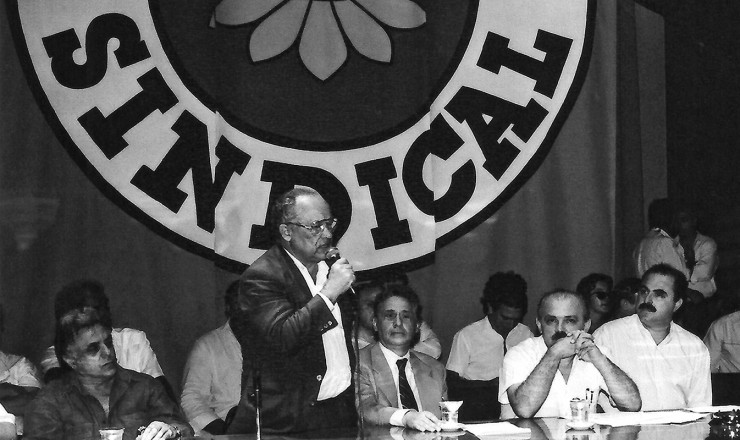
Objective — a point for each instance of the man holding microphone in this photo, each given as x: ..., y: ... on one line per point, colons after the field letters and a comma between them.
x: 295, y: 334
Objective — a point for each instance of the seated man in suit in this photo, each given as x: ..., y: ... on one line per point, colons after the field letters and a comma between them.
x: 399, y: 386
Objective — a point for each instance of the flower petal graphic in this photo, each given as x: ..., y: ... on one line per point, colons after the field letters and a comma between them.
x: 403, y: 14
x: 278, y: 32
x: 236, y: 12
x: 322, y: 47
x: 366, y: 35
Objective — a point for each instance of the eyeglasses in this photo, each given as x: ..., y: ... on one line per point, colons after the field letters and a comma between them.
x: 317, y: 227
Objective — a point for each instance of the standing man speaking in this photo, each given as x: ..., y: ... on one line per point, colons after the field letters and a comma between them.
x: 295, y: 336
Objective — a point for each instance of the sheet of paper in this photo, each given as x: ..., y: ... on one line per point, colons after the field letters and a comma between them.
x: 498, y: 428
x: 714, y: 409
x: 646, y: 418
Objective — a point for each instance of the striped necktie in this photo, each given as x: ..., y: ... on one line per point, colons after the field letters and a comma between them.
x: 407, y: 396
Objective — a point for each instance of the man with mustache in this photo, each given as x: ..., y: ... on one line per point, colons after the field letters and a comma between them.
x: 293, y: 330
x: 669, y: 364
x: 541, y: 375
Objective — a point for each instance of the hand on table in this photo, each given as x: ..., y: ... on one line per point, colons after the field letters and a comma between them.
x: 421, y: 421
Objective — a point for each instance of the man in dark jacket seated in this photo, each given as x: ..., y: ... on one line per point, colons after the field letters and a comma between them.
x: 95, y: 393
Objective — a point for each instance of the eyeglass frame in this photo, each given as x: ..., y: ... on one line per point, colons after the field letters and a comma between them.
x: 320, y: 224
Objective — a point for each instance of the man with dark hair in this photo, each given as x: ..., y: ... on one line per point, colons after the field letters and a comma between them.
x: 669, y: 364
x: 211, y: 380
x: 596, y: 289
x: 658, y: 245
x: 292, y: 326
x: 541, y: 375
x: 699, y: 250
x: 625, y: 295
x: 94, y: 392
x: 367, y: 291
x: 478, y: 349
x: 399, y: 386
x: 133, y: 350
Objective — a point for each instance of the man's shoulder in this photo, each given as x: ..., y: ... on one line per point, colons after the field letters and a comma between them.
x: 473, y: 328
x: 729, y: 319
x: 616, y: 325
x: 134, y: 377
x: 686, y: 338
x: 529, y: 345
x: 272, y: 257
x: 434, y: 363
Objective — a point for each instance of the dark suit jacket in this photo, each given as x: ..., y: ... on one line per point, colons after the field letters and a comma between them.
x: 378, y: 393
x: 280, y: 326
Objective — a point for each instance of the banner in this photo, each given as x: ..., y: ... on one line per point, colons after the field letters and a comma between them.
x: 415, y: 119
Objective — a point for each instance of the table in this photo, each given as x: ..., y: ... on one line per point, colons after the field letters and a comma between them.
x: 541, y: 429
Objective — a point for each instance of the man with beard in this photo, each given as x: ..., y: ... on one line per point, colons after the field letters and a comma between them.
x: 541, y: 375
x: 669, y: 364
x: 293, y: 332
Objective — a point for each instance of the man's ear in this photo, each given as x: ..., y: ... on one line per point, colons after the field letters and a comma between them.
x: 284, y: 232
x: 539, y: 326
x: 588, y: 325
x: 678, y: 305
x: 375, y: 324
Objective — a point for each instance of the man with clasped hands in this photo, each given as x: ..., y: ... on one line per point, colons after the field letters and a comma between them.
x: 293, y: 330
x: 541, y: 375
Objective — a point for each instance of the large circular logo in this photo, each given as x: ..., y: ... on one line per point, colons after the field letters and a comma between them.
x: 416, y: 119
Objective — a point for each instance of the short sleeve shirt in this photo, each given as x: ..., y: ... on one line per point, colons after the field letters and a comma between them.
x: 521, y: 360
x: 477, y: 351
x: 671, y: 375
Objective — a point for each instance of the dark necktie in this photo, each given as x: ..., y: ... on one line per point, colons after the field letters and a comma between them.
x: 404, y: 389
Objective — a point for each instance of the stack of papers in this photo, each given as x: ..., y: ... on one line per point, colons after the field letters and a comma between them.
x: 646, y: 418
x: 482, y: 430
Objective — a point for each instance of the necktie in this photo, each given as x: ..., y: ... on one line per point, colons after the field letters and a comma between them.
x: 404, y: 389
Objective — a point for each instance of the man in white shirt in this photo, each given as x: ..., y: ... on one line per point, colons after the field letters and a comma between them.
x: 669, y: 365
x: 658, y: 246
x: 723, y: 342
x: 211, y: 382
x: 478, y: 349
x: 700, y: 253
x: 19, y: 382
x: 367, y: 291
x: 294, y: 327
x: 399, y: 386
x: 541, y: 375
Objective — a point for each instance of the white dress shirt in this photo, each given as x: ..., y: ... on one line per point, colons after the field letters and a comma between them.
x: 338, y: 373
x: 391, y: 357
x: 671, y: 375
x: 723, y: 342
x: 211, y: 380
x: 659, y: 247
x: 477, y: 351
x: 522, y: 359
x: 706, y: 262
x: 19, y: 371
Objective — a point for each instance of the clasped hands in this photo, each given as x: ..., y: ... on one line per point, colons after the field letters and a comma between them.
x: 578, y: 343
x: 157, y: 431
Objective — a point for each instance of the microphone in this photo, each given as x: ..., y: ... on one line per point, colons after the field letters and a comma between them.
x: 331, y: 257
